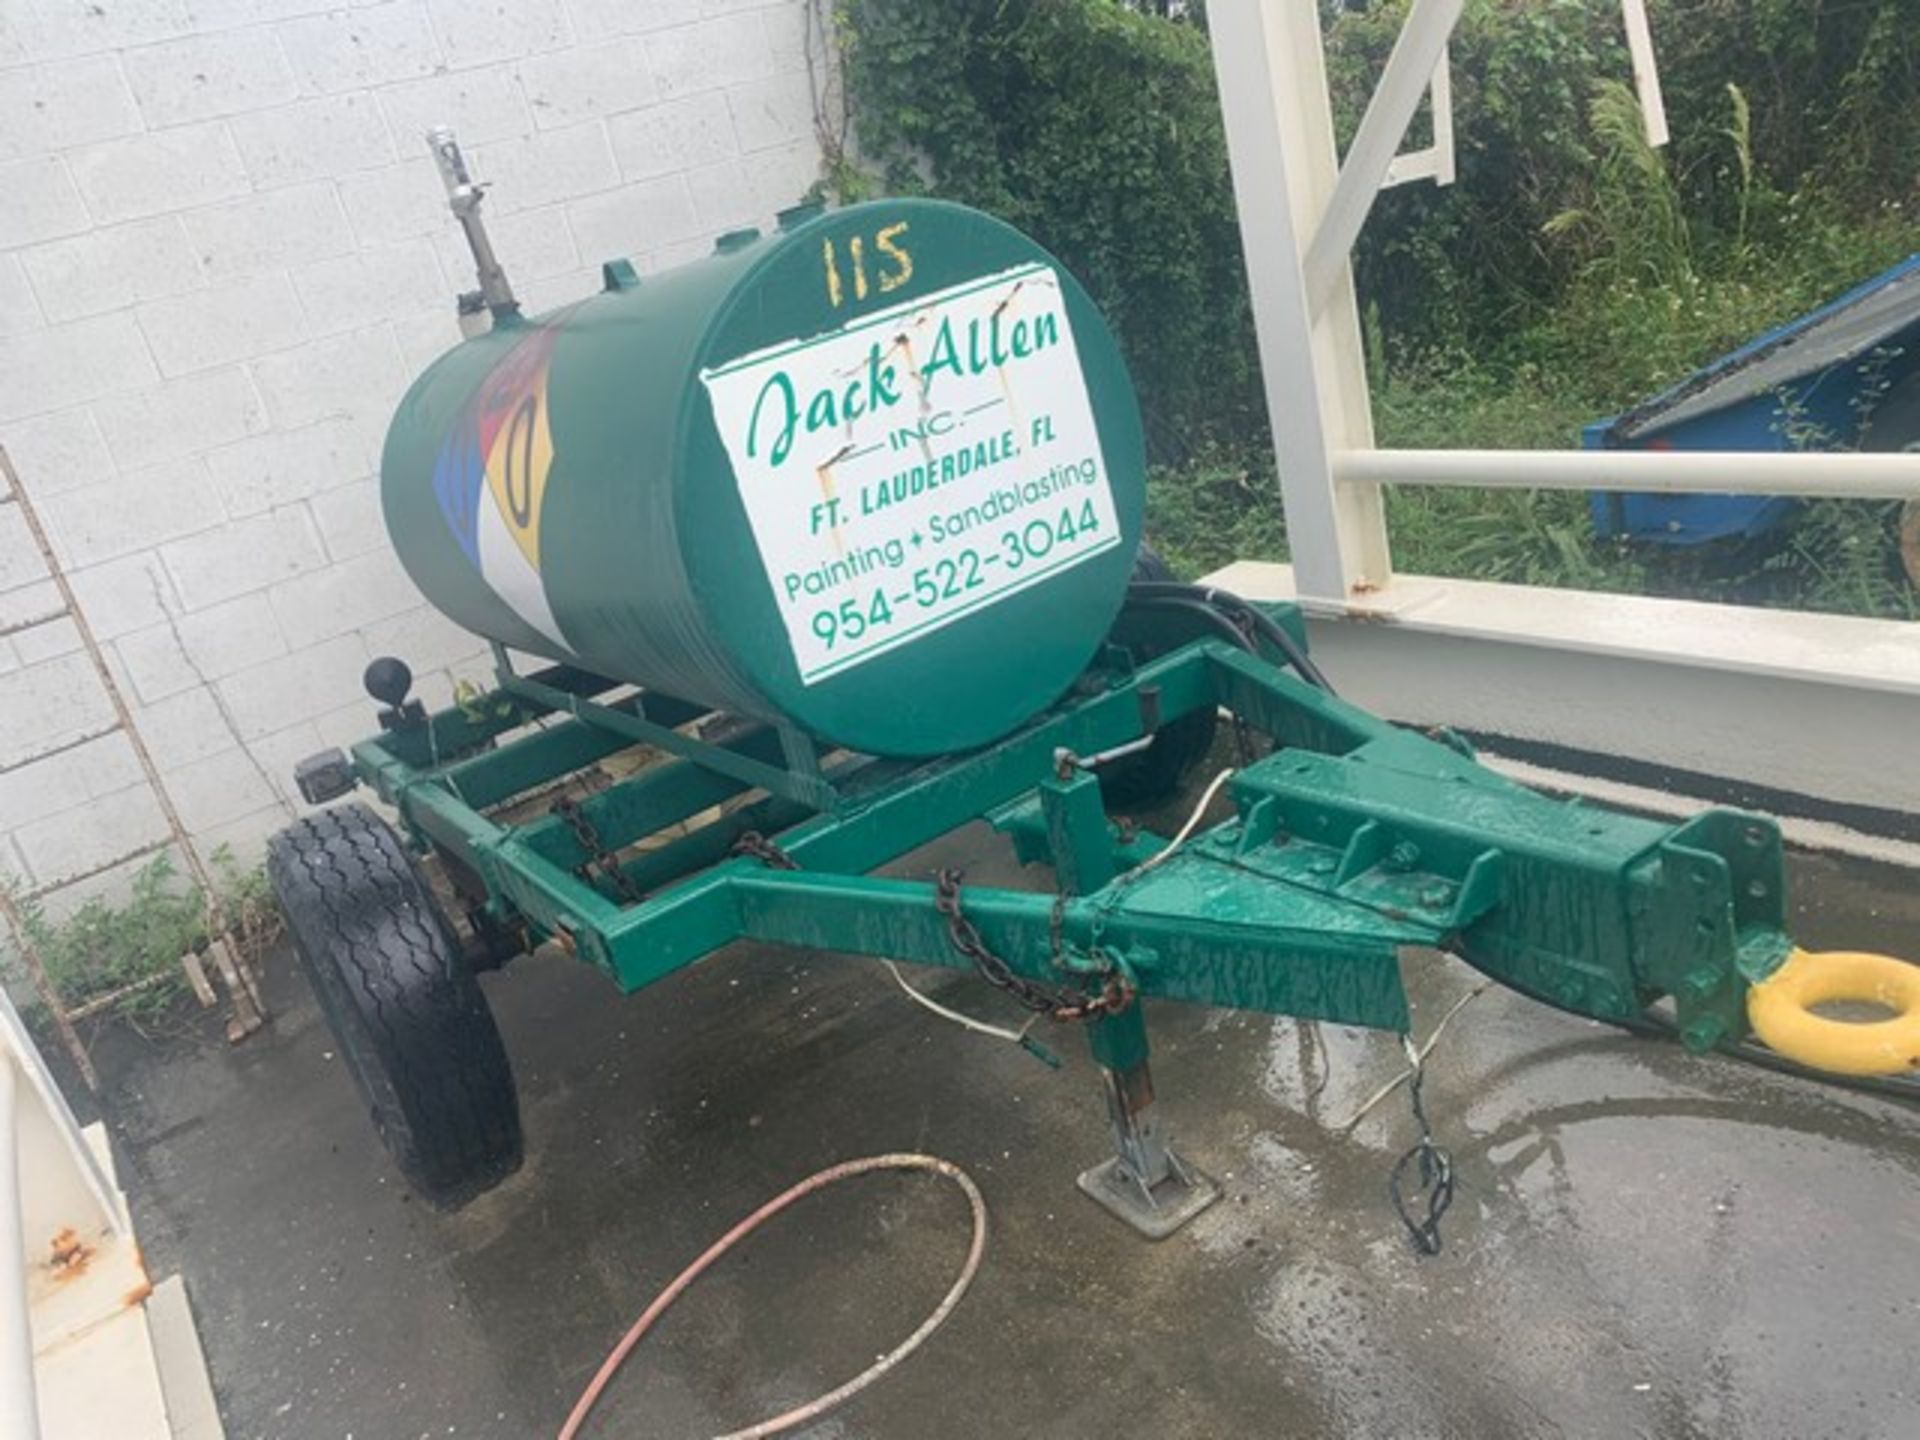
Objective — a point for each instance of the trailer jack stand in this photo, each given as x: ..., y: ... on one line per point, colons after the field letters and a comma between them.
x: 1144, y: 1183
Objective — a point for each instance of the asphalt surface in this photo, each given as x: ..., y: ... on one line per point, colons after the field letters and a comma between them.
x: 1644, y: 1243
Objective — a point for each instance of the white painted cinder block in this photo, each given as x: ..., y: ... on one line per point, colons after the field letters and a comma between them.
x: 532, y: 244
x: 261, y: 699
x: 243, y: 555
x: 220, y: 789
x: 67, y: 845
x: 547, y: 166
x: 51, y: 107
x: 347, y: 596
x: 132, y: 512
x: 237, y: 635
x: 19, y: 308
x: 218, y: 326
x: 286, y: 466
x: 569, y: 86
x: 20, y: 562
x: 597, y: 19
x: 42, y: 201
x: 224, y: 252
x: 207, y: 76
x: 354, y: 292
x: 349, y: 519
x: 396, y: 202
x: 57, y: 29
x: 43, y: 707
x: 151, y: 665
x: 480, y: 105
x: 633, y: 220
x: 676, y: 135
x: 184, y: 728
x: 180, y: 418
x: 153, y: 174
x: 775, y: 111
x: 270, y: 231
x: 355, y: 376
x: 478, y: 32
x: 64, y: 365
x: 73, y: 777
x: 349, y: 50
x: 130, y: 593
x: 57, y: 452
x: 729, y: 50
x: 315, y: 140
x: 110, y: 269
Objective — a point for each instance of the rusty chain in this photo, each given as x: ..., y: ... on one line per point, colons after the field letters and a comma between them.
x: 599, y: 859
x: 756, y: 846
x: 1055, y: 1004
x: 1115, y: 995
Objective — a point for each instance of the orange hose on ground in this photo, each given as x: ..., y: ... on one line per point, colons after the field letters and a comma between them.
x: 813, y: 1409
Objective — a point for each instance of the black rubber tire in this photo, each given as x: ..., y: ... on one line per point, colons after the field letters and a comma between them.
x: 1155, y: 775
x: 405, y: 1009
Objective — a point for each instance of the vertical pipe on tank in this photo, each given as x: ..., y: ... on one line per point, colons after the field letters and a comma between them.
x: 463, y: 198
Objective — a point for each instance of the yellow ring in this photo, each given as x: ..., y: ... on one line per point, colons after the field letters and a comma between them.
x: 1781, y: 1006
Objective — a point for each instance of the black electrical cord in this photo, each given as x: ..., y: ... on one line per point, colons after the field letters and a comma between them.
x: 1225, y: 603
x: 1890, y: 1087
x: 1210, y: 615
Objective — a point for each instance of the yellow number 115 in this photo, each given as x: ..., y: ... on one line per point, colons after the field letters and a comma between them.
x: 894, y: 264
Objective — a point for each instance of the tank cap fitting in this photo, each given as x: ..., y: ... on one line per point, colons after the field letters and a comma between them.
x: 794, y: 216
x: 619, y: 275
x: 735, y: 240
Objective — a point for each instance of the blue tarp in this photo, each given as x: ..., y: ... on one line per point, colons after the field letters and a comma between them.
x: 1844, y: 377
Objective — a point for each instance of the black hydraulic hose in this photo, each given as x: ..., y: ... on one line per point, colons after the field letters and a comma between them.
x: 1210, y: 615
x: 1225, y: 603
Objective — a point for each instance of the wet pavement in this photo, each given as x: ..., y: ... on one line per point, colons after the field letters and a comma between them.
x: 1644, y: 1243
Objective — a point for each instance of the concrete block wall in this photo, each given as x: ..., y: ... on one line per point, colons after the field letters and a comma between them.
x: 223, y: 252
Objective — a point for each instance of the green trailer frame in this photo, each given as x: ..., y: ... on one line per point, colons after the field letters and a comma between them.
x: 1352, y: 846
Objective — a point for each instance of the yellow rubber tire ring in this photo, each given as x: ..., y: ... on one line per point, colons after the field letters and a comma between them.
x: 1781, y: 1011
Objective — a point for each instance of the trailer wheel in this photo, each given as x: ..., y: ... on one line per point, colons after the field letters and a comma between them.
x: 405, y: 1009
x: 1139, y: 782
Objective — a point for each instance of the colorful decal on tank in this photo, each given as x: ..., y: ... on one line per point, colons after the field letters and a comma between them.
x: 918, y: 465
x: 490, y: 477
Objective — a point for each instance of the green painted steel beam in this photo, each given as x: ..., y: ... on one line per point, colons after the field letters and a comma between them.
x: 1296, y: 955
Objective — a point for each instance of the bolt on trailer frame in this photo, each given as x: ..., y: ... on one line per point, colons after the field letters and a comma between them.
x: 1350, y: 843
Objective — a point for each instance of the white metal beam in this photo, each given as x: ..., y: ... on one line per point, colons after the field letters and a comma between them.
x: 1279, y: 124
x: 1674, y: 472
x: 1646, y: 70
x: 1436, y: 162
x: 1416, y: 54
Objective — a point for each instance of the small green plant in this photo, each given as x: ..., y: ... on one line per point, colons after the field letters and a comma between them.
x: 1635, y: 225
x: 126, y: 953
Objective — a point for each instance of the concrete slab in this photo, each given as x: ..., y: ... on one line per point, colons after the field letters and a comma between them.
x: 1644, y: 1243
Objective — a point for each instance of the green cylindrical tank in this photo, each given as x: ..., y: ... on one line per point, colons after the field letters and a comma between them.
x: 878, y: 475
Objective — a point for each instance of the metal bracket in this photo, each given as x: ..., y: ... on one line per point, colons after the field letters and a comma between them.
x: 1145, y: 1184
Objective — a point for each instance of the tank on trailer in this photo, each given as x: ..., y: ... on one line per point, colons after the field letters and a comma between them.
x: 878, y: 475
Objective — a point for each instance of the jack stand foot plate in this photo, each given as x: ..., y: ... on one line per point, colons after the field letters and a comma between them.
x: 1157, y: 1212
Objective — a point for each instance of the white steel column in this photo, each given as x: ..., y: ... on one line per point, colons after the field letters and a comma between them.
x: 1646, y: 70
x: 19, y: 1403
x: 1273, y: 94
